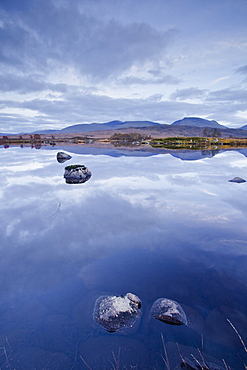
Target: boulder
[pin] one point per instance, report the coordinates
(168, 311)
(237, 180)
(76, 174)
(63, 157)
(116, 313)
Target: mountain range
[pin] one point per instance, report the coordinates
(183, 125)
(99, 127)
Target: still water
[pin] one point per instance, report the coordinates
(153, 224)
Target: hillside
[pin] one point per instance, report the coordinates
(197, 122)
(99, 126)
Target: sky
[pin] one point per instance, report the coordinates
(66, 62)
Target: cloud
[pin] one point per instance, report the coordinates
(27, 84)
(242, 70)
(228, 95)
(189, 93)
(81, 108)
(166, 80)
(76, 106)
(66, 62)
(47, 36)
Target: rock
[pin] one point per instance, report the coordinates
(116, 313)
(168, 311)
(63, 157)
(76, 174)
(237, 179)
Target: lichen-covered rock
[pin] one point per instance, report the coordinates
(168, 311)
(116, 313)
(63, 157)
(237, 179)
(76, 174)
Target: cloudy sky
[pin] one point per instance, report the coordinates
(67, 62)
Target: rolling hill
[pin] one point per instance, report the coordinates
(198, 122)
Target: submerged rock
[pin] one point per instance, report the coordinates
(76, 174)
(116, 313)
(237, 179)
(168, 311)
(63, 157)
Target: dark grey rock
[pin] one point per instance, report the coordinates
(116, 313)
(168, 311)
(237, 179)
(76, 174)
(63, 157)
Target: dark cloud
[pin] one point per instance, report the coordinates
(242, 70)
(48, 36)
(228, 95)
(27, 84)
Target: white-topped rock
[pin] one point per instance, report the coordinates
(116, 313)
(168, 311)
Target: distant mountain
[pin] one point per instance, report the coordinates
(112, 125)
(44, 132)
(105, 126)
(188, 126)
(197, 122)
(194, 155)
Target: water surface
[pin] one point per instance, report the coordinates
(154, 225)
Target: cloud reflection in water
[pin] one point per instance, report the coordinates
(157, 226)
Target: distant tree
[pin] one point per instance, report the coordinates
(211, 132)
(216, 133)
(128, 137)
(207, 132)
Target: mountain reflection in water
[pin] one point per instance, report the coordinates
(156, 226)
